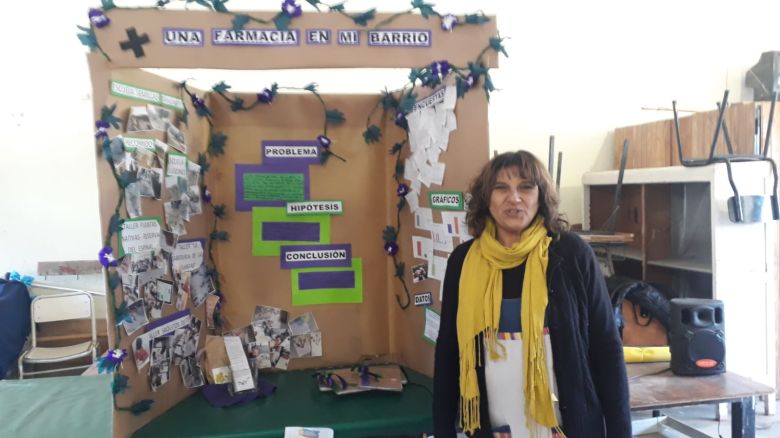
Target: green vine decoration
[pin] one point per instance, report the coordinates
(332, 116)
(399, 103)
(290, 9)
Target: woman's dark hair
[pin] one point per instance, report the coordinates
(531, 169)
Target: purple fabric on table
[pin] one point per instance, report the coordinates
(326, 280)
(219, 396)
(292, 231)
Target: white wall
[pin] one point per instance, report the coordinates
(576, 69)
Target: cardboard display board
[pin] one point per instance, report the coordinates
(364, 183)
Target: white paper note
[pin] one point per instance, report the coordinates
(438, 268)
(423, 218)
(413, 200)
(432, 320)
(422, 248)
(455, 221)
(437, 173)
(177, 165)
(442, 240)
(187, 256)
(141, 236)
(239, 366)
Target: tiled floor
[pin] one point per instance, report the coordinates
(702, 418)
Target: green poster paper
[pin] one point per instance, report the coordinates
(328, 296)
(446, 200)
(274, 187)
(261, 215)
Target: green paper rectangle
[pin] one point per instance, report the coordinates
(121, 250)
(287, 187)
(459, 206)
(328, 296)
(261, 215)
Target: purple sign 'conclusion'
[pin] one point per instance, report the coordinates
(315, 256)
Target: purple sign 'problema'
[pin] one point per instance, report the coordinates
(315, 256)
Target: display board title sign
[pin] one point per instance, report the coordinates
(254, 37)
(399, 38)
(290, 152)
(446, 200)
(315, 207)
(140, 235)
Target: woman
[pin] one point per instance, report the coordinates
(523, 273)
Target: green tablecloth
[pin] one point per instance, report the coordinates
(62, 407)
(298, 402)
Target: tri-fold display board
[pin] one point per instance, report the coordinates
(303, 236)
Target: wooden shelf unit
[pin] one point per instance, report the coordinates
(685, 243)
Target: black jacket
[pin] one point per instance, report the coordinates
(586, 348)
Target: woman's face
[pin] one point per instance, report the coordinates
(514, 202)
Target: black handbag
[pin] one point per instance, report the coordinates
(648, 302)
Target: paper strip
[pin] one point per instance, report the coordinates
(315, 256)
(291, 152)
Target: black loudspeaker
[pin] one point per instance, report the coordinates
(697, 337)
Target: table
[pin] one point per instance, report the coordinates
(63, 407)
(298, 402)
(653, 386)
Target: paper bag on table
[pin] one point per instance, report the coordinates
(215, 362)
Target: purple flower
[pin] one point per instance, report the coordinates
(391, 248)
(266, 96)
(440, 69)
(402, 190)
(98, 18)
(116, 356)
(106, 258)
(197, 102)
(469, 82)
(102, 129)
(448, 22)
(206, 195)
(400, 120)
(323, 141)
(291, 8)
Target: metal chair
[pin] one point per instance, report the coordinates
(60, 307)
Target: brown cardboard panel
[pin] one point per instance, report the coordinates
(173, 391)
(459, 46)
(468, 151)
(348, 330)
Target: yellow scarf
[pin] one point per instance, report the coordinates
(479, 310)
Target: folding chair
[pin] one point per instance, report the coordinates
(60, 307)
